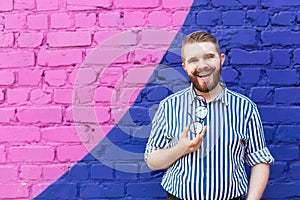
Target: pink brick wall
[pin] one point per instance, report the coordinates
(49, 52)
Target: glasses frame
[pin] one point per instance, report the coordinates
(203, 106)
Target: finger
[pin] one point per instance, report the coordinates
(185, 131)
(203, 131)
(200, 136)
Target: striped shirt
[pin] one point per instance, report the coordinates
(216, 170)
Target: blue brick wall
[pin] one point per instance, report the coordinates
(261, 40)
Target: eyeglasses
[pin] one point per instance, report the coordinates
(201, 113)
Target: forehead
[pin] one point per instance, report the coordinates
(198, 49)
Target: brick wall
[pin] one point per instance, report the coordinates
(81, 80)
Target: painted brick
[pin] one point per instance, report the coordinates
(282, 77)
(297, 56)
(79, 172)
(127, 96)
(64, 134)
(278, 170)
(16, 59)
(111, 76)
(286, 38)
(110, 19)
(29, 77)
(36, 22)
(136, 4)
(102, 172)
(284, 18)
(178, 18)
(275, 190)
(55, 77)
(60, 20)
(116, 38)
(279, 3)
(208, 17)
(63, 96)
(177, 4)
(19, 134)
(7, 78)
(8, 173)
(121, 175)
(287, 134)
(294, 170)
(24, 5)
(71, 153)
(290, 95)
(59, 57)
(14, 21)
(103, 94)
(11, 190)
(138, 75)
(285, 152)
(83, 114)
(245, 57)
(28, 154)
(46, 5)
(40, 114)
(2, 95)
(134, 19)
(6, 39)
(258, 17)
(282, 115)
(17, 95)
(105, 190)
(31, 172)
(225, 3)
(229, 74)
(30, 39)
(40, 97)
(85, 95)
(88, 4)
(261, 94)
(250, 76)
(2, 154)
(6, 114)
(54, 170)
(63, 190)
(145, 189)
(157, 93)
(269, 133)
(83, 76)
(159, 19)
(248, 3)
(281, 57)
(234, 18)
(238, 37)
(6, 5)
(85, 20)
(69, 39)
(157, 37)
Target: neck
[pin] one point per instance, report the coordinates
(209, 96)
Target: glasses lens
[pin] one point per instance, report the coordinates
(196, 127)
(201, 112)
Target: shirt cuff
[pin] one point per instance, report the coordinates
(260, 156)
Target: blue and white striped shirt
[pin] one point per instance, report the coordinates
(216, 170)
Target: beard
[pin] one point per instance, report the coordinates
(208, 86)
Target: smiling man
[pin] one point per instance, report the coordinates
(203, 134)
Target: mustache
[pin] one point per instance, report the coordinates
(206, 71)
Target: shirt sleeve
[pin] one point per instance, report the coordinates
(157, 139)
(257, 151)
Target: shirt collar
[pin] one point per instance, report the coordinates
(221, 97)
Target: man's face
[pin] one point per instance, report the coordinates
(203, 64)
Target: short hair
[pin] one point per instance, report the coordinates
(200, 36)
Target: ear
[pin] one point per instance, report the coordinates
(183, 66)
(222, 57)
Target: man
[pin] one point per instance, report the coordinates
(204, 133)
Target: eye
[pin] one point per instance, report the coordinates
(192, 61)
(209, 56)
